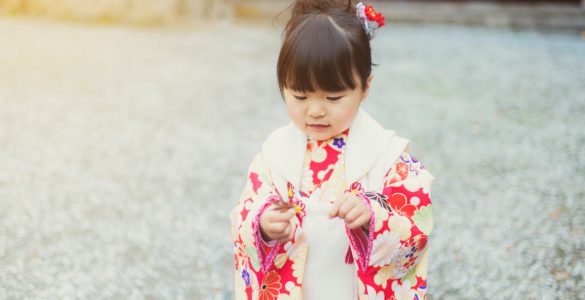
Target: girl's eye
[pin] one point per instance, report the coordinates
(334, 98)
(300, 98)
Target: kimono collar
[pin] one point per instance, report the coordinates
(284, 150)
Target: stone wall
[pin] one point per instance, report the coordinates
(120, 10)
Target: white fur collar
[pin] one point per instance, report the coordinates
(284, 150)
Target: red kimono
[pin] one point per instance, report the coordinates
(390, 259)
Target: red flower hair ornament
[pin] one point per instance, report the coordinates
(371, 19)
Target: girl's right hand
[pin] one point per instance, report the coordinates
(275, 223)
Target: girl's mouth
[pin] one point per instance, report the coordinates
(318, 127)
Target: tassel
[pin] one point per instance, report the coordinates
(349, 256)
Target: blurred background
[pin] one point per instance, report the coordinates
(127, 127)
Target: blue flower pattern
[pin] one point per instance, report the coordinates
(246, 276)
(338, 142)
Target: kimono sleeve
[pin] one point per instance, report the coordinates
(400, 224)
(251, 252)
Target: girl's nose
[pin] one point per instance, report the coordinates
(316, 111)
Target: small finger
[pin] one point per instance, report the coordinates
(334, 211)
(339, 194)
(277, 228)
(352, 215)
(283, 216)
(363, 220)
(278, 206)
(287, 231)
(282, 227)
(284, 236)
(345, 208)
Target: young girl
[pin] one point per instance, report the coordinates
(335, 207)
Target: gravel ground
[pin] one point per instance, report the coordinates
(122, 151)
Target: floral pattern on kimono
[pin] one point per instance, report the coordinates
(391, 256)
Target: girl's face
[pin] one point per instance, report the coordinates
(321, 114)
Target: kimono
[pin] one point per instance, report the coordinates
(390, 258)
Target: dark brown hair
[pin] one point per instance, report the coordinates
(324, 46)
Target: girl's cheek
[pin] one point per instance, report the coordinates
(296, 114)
(348, 115)
(346, 111)
(295, 110)
(290, 108)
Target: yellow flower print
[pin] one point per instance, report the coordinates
(299, 242)
(298, 209)
(403, 291)
(375, 296)
(307, 179)
(401, 225)
(299, 264)
(384, 248)
(294, 292)
(280, 260)
(383, 275)
(380, 216)
(423, 180)
(319, 155)
(246, 233)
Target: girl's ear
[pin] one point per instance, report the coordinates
(368, 84)
(370, 78)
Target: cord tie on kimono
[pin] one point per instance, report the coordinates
(349, 256)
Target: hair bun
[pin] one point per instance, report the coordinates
(301, 7)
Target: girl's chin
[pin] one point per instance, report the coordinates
(319, 136)
(319, 133)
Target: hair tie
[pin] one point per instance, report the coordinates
(370, 18)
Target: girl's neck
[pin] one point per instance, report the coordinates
(342, 134)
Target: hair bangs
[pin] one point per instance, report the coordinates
(317, 57)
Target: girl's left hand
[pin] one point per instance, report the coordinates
(352, 209)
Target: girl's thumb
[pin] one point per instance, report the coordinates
(339, 197)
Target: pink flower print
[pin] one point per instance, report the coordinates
(299, 207)
(355, 188)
